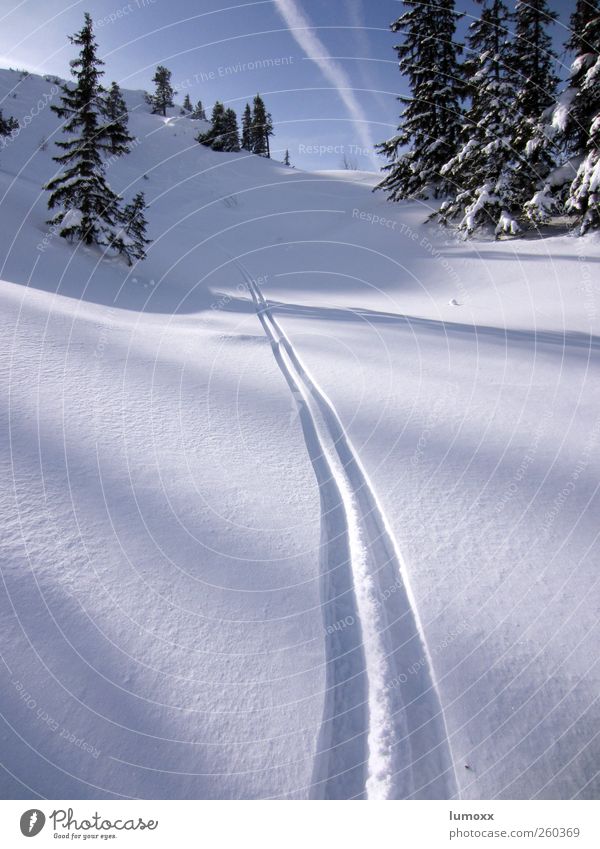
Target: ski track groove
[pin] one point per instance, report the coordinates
(383, 734)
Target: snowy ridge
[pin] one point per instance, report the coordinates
(401, 739)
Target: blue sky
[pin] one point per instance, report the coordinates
(328, 71)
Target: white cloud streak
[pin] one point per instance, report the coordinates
(300, 28)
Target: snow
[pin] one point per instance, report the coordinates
(485, 196)
(541, 206)
(564, 173)
(72, 218)
(562, 110)
(279, 521)
(507, 224)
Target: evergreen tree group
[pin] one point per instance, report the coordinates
(95, 123)
(223, 134)
(257, 128)
(198, 112)
(489, 134)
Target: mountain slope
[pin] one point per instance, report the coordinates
(304, 504)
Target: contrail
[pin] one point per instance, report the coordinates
(300, 28)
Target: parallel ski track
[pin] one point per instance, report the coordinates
(383, 734)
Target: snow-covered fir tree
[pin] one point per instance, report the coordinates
(431, 120)
(247, 128)
(164, 91)
(580, 100)
(286, 158)
(187, 104)
(199, 112)
(481, 171)
(566, 126)
(261, 128)
(88, 208)
(116, 116)
(534, 61)
(536, 81)
(130, 239)
(584, 192)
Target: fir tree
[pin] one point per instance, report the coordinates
(130, 240)
(431, 120)
(214, 137)
(286, 158)
(584, 192)
(261, 128)
(482, 169)
(7, 126)
(247, 128)
(187, 104)
(533, 62)
(231, 133)
(115, 112)
(580, 101)
(584, 195)
(567, 126)
(164, 91)
(89, 208)
(199, 114)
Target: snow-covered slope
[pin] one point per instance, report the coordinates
(303, 505)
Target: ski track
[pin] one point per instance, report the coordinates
(383, 734)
